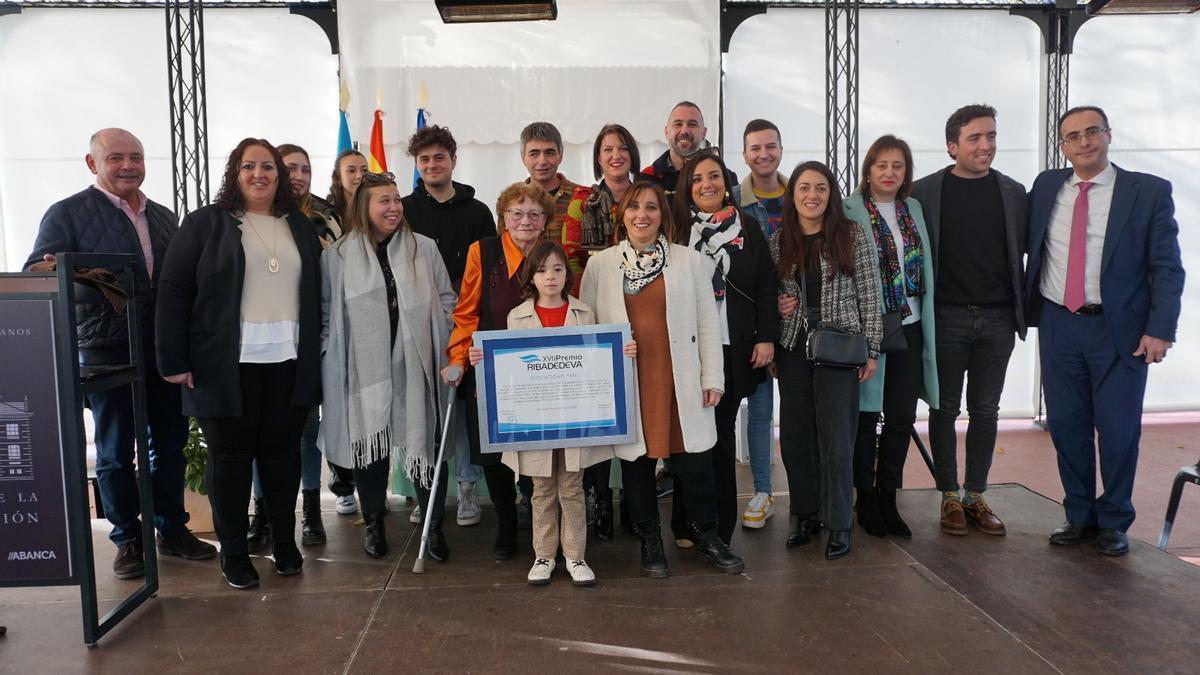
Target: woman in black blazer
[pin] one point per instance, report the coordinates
(238, 327)
(745, 288)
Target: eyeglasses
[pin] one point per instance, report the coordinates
(1090, 133)
(519, 215)
(378, 178)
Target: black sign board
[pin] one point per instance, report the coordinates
(34, 537)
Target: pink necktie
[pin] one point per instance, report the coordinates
(1077, 253)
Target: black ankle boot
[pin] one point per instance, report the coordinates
(891, 515)
(713, 549)
(288, 560)
(806, 528)
(654, 558)
(238, 571)
(866, 505)
(375, 543)
(604, 517)
(837, 545)
(312, 530)
(258, 535)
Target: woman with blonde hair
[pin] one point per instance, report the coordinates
(386, 302)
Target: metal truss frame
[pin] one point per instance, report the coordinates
(841, 91)
(186, 85)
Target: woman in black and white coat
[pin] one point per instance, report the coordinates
(744, 287)
(827, 272)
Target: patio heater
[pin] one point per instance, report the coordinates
(477, 11)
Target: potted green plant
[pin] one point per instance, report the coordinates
(195, 453)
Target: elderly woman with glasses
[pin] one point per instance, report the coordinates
(491, 288)
(382, 280)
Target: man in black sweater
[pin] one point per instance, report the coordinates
(448, 213)
(441, 209)
(113, 216)
(977, 219)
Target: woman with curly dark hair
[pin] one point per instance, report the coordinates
(238, 327)
(348, 171)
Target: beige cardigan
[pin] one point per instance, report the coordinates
(693, 329)
(541, 462)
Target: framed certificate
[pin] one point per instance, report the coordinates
(549, 388)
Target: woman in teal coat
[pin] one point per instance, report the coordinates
(907, 362)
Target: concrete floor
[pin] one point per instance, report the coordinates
(932, 604)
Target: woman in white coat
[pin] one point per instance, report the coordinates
(385, 308)
(664, 291)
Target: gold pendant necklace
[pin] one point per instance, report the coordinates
(272, 262)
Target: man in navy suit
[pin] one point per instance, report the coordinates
(1103, 283)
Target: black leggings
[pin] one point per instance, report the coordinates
(723, 455)
(693, 468)
(879, 460)
(268, 432)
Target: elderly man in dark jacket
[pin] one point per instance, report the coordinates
(113, 216)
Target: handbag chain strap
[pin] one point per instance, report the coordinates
(803, 298)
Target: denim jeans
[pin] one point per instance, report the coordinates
(761, 409)
(975, 343)
(463, 468)
(112, 412)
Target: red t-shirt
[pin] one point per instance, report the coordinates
(551, 317)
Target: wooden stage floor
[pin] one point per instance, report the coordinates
(935, 604)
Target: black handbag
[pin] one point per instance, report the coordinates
(831, 346)
(893, 334)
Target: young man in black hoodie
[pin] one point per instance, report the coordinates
(448, 213)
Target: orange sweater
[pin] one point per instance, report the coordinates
(466, 312)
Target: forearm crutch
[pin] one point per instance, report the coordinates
(452, 373)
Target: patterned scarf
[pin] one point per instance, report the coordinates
(715, 235)
(899, 279)
(642, 267)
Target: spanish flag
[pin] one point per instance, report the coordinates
(376, 161)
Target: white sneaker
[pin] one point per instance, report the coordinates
(581, 574)
(415, 516)
(539, 574)
(761, 507)
(468, 504)
(346, 504)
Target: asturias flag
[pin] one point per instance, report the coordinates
(420, 125)
(376, 162)
(343, 133)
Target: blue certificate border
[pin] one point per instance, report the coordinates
(617, 430)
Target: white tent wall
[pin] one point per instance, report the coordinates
(918, 66)
(601, 61)
(1145, 72)
(64, 73)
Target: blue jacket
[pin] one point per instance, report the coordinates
(87, 222)
(1141, 272)
(870, 393)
